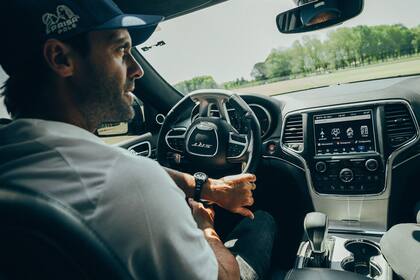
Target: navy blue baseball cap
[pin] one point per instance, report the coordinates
(27, 24)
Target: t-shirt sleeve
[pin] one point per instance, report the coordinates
(144, 217)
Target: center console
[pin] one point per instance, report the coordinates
(345, 158)
(346, 252)
(345, 149)
(347, 153)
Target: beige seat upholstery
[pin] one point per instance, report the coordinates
(400, 246)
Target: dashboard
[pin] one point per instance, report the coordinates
(347, 147)
(352, 144)
(344, 137)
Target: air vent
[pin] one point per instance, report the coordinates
(142, 149)
(293, 133)
(399, 125)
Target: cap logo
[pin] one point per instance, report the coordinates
(62, 21)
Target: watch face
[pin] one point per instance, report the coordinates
(200, 176)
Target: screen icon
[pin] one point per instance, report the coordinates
(364, 131)
(322, 133)
(361, 148)
(335, 132)
(350, 132)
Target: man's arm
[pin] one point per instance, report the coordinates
(186, 182)
(228, 266)
(233, 193)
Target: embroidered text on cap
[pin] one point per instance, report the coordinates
(62, 21)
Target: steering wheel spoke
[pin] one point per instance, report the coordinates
(175, 139)
(223, 112)
(204, 108)
(237, 147)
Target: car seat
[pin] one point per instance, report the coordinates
(41, 238)
(400, 246)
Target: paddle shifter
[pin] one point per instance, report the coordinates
(316, 226)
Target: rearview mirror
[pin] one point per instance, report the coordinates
(318, 14)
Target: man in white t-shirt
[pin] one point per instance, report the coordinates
(77, 59)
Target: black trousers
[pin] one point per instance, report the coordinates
(251, 242)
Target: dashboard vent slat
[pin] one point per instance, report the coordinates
(399, 125)
(293, 133)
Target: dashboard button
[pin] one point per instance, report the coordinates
(321, 167)
(371, 165)
(346, 175)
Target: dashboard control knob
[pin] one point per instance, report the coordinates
(321, 167)
(371, 165)
(346, 175)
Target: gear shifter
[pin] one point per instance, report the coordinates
(316, 225)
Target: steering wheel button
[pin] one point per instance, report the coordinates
(238, 138)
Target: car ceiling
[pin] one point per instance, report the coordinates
(167, 8)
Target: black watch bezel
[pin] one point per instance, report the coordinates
(200, 178)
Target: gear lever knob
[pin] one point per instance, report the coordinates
(316, 225)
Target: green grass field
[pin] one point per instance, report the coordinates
(405, 66)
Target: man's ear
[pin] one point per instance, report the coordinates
(59, 58)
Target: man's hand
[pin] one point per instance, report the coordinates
(233, 193)
(204, 217)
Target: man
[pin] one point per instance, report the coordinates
(76, 57)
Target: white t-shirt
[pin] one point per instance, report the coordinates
(130, 201)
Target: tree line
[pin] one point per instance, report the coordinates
(343, 48)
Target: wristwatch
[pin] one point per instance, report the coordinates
(200, 179)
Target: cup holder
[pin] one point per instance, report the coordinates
(361, 263)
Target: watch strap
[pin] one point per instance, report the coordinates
(200, 179)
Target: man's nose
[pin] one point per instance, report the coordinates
(134, 70)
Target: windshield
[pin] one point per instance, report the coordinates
(236, 45)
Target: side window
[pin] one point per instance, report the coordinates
(3, 111)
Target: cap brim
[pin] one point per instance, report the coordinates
(140, 27)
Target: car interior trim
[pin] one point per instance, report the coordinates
(283, 160)
(405, 161)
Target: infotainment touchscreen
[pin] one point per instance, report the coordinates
(346, 132)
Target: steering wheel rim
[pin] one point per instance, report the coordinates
(212, 128)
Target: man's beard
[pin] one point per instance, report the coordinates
(101, 99)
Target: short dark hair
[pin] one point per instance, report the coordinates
(22, 91)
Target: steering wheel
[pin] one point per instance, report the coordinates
(208, 143)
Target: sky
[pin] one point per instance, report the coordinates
(226, 40)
